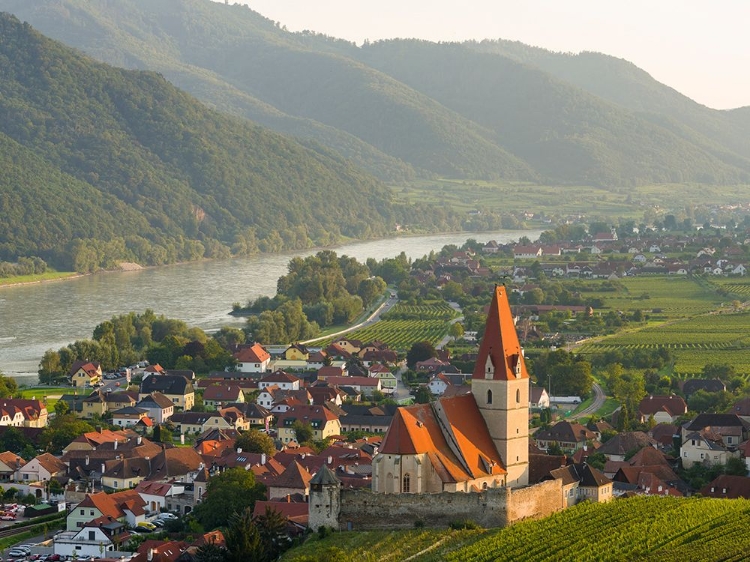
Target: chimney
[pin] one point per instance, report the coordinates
(103, 468)
(150, 554)
(182, 438)
(330, 459)
(288, 498)
(239, 450)
(139, 440)
(116, 442)
(87, 460)
(262, 459)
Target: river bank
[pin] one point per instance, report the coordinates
(43, 316)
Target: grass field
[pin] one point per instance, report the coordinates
(640, 528)
(671, 297)
(47, 394)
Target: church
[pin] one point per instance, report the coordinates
(471, 442)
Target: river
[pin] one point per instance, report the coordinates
(38, 317)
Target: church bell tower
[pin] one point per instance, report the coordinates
(500, 385)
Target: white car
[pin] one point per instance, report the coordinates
(168, 516)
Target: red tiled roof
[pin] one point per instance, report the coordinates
(253, 354)
(500, 342)
(673, 405)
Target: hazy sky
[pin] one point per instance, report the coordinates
(700, 48)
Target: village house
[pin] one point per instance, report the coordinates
(85, 373)
(34, 413)
(158, 407)
(538, 398)
(252, 359)
(664, 409)
(128, 417)
(217, 396)
(176, 388)
(198, 422)
(323, 422)
(284, 381)
(582, 482)
(10, 464)
(569, 436)
(296, 352)
(706, 449)
(41, 468)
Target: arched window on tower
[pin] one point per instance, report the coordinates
(518, 396)
(406, 488)
(489, 397)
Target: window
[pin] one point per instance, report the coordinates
(83, 513)
(92, 535)
(489, 397)
(115, 484)
(406, 488)
(91, 512)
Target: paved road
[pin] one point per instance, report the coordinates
(389, 303)
(599, 399)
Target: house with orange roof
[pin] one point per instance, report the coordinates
(471, 441)
(10, 464)
(93, 439)
(252, 359)
(41, 468)
(126, 506)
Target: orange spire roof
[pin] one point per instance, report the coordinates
(500, 343)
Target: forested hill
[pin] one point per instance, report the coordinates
(403, 108)
(100, 164)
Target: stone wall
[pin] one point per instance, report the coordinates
(539, 500)
(363, 510)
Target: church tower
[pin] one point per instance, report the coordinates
(500, 385)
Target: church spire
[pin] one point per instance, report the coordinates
(500, 356)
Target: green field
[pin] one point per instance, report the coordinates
(669, 297)
(641, 528)
(49, 276)
(405, 325)
(510, 197)
(47, 394)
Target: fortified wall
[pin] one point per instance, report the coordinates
(358, 510)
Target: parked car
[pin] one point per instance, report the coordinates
(8, 517)
(145, 525)
(166, 516)
(16, 553)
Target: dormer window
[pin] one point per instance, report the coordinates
(488, 368)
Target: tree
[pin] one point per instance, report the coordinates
(61, 408)
(420, 351)
(735, 466)
(272, 528)
(210, 552)
(456, 330)
(253, 441)
(8, 386)
(243, 540)
(303, 431)
(229, 492)
(422, 395)
(61, 431)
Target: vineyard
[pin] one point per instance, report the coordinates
(671, 297)
(407, 324)
(711, 338)
(641, 528)
(735, 288)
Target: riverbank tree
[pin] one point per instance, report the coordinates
(129, 338)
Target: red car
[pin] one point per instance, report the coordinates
(8, 517)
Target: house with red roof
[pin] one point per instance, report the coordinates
(219, 395)
(85, 373)
(252, 359)
(323, 422)
(664, 409)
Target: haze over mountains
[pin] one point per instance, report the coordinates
(404, 108)
(101, 164)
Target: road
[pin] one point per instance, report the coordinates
(389, 303)
(595, 406)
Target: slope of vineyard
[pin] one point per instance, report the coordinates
(642, 528)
